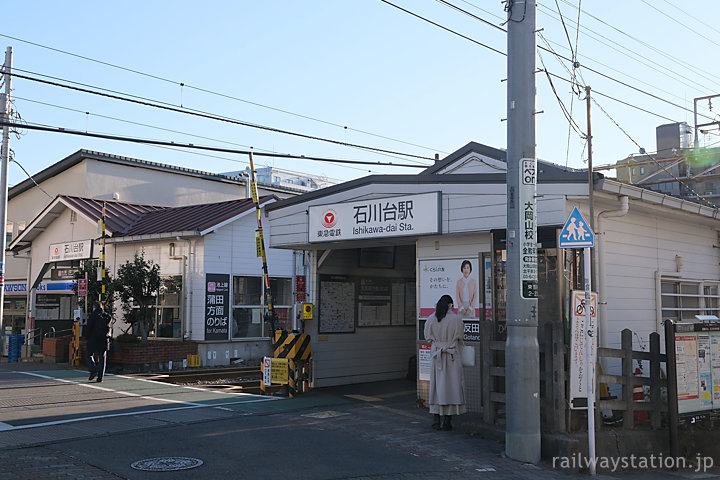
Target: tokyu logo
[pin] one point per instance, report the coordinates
(329, 218)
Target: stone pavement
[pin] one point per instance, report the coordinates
(359, 432)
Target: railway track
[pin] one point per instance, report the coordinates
(238, 379)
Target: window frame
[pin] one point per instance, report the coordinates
(261, 307)
(679, 303)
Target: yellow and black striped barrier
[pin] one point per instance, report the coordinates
(291, 345)
(295, 347)
(75, 345)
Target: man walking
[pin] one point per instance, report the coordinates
(97, 333)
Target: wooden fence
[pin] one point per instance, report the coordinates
(556, 416)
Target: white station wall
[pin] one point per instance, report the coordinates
(639, 245)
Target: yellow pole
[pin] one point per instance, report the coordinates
(261, 245)
(75, 345)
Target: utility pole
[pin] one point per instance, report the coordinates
(5, 159)
(522, 352)
(591, 183)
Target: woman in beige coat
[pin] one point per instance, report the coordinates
(444, 330)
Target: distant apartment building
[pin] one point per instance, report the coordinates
(287, 178)
(676, 168)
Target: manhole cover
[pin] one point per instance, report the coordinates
(166, 464)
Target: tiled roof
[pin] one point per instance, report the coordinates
(189, 218)
(119, 216)
(123, 219)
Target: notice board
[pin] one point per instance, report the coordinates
(375, 297)
(697, 360)
(337, 305)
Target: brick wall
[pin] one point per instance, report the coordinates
(156, 351)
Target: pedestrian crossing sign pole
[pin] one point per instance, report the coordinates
(577, 234)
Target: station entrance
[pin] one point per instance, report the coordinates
(366, 316)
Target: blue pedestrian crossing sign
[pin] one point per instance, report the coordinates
(576, 233)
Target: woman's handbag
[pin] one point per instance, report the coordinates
(468, 356)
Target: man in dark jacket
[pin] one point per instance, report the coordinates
(97, 333)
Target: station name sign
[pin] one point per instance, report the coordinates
(76, 250)
(375, 218)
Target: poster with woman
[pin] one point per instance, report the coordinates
(457, 277)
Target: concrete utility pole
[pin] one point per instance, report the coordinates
(5, 159)
(522, 353)
(591, 182)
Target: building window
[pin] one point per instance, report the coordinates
(682, 299)
(642, 170)
(8, 233)
(632, 172)
(165, 313)
(249, 305)
(167, 308)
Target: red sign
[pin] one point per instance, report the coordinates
(329, 218)
(300, 288)
(82, 287)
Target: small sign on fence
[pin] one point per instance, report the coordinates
(578, 370)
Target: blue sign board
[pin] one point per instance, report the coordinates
(576, 233)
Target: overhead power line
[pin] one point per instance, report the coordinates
(212, 92)
(145, 141)
(620, 82)
(204, 154)
(663, 69)
(693, 30)
(445, 28)
(165, 106)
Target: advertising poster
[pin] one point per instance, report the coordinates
(217, 306)
(488, 287)
(424, 362)
(715, 366)
(704, 371)
(686, 351)
(528, 228)
(457, 277)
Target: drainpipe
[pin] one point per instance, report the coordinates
(187, 324)
(600, 266)
(189, 260)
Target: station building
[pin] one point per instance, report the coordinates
(61, 205)
(211, 285)
(374, 255)
(384, 248)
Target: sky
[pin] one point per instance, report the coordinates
(361, 72)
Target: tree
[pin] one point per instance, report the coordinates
(94, 288)
(137, 283)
